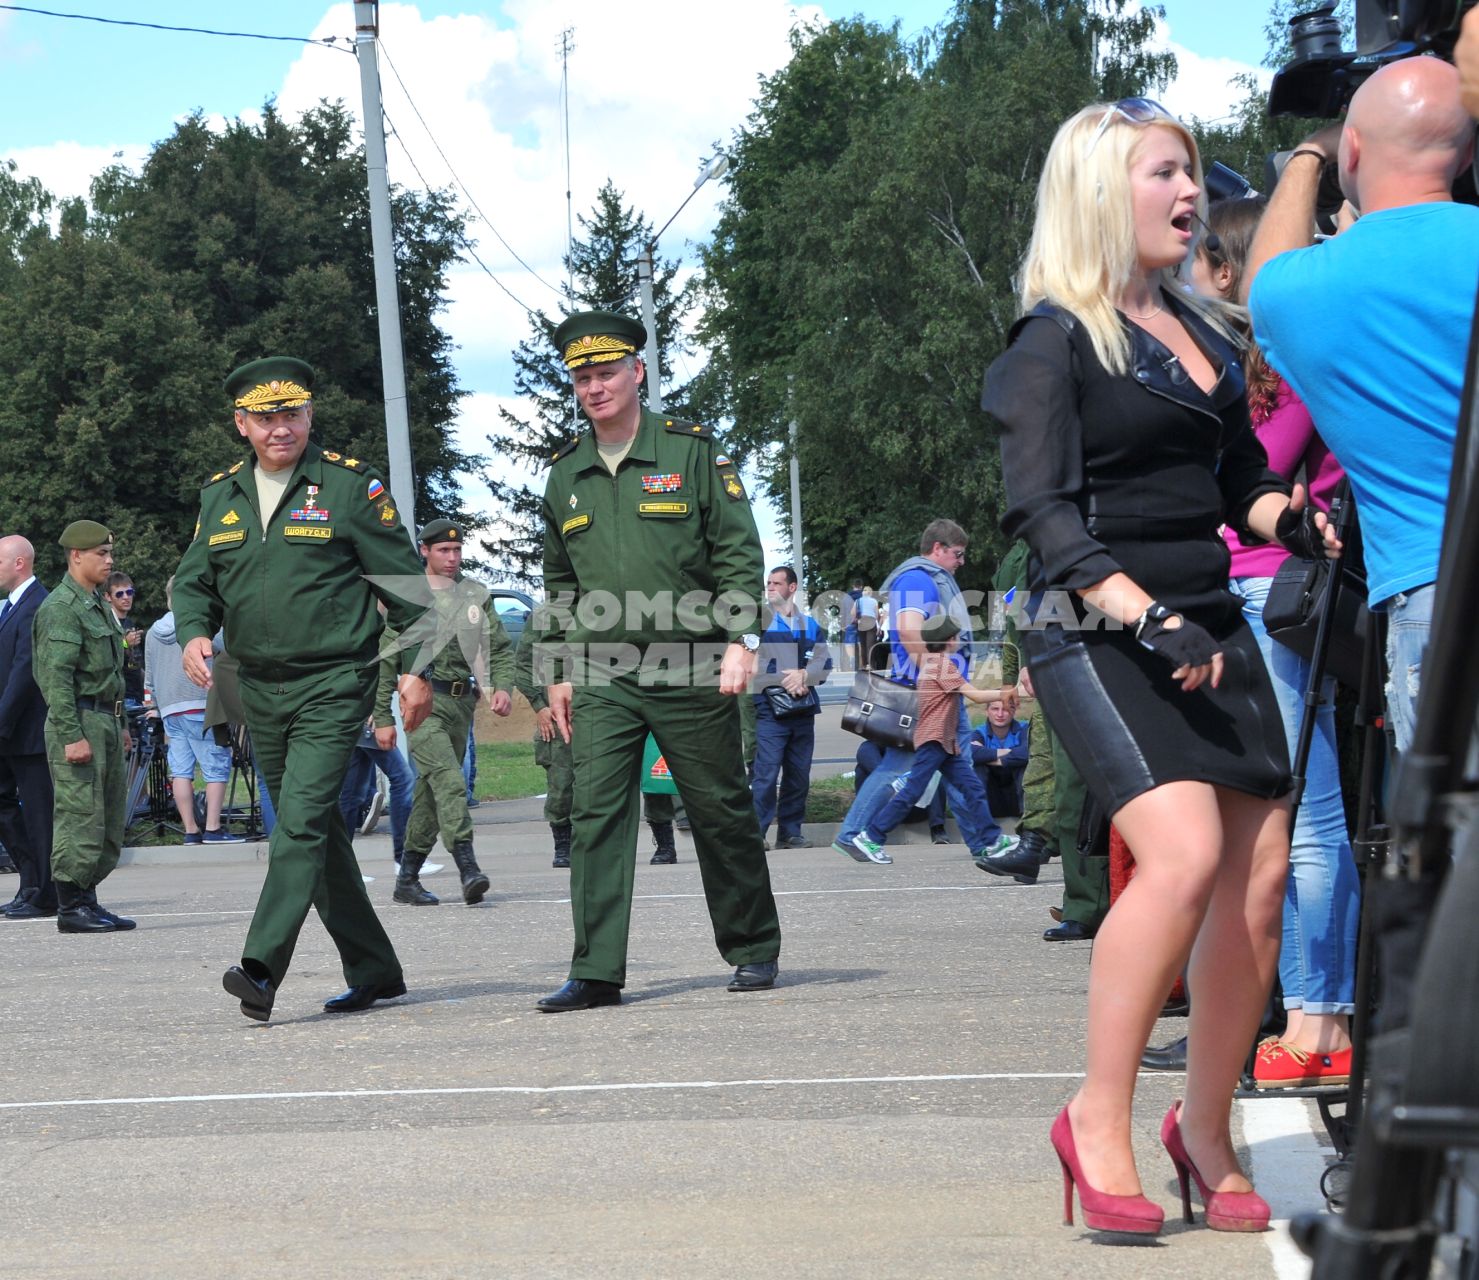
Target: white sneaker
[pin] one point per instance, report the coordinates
(871, 850)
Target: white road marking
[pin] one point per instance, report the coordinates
(635, 1086)
(1287, 1160)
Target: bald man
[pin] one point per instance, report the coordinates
(25, 781)
(1372, 328)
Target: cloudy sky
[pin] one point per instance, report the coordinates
(655, 88)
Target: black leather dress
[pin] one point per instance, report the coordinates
(1135, 473)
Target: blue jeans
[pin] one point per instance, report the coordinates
(470, 764)
(783, 750)
(264, 800)
(1322, 901)
(1409, 619)
(954, 772)
(359, 784)
(896, 763)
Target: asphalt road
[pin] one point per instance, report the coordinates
(883, 1112)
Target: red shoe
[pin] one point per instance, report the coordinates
(1133, 1215)
(1283, 1066)
(1224, 1210)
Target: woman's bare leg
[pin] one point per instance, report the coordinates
(1232, 972)
(1175, 833)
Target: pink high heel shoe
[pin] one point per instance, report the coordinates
(1224, 1210)
(1102, 1212)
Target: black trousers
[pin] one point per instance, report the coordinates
(25, 821)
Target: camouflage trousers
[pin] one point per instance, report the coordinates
(440, 801)
(88, 823)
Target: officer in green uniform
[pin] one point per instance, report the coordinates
(552, 754)
(651, 562)
(78, 665)
(459, 637)
(293, 546)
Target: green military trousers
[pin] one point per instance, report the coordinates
(698, 731)
(1085, 879)
(439, 803)
(559, 785)
(87, 836)
(1038, 809)
(303, 731)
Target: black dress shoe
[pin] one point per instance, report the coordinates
(581, 993)
(357, 998)
(256, 994)
(120, 923)
(1170, 1057)
(28, 904)
(1068, 931)
(754, 977)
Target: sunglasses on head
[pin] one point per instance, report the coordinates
(124, 591)
(1135, 110)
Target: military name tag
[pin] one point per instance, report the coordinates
(662, 508)
(236, 535)
(320, 533)
(576, 522)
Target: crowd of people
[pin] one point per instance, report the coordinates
(1165, 450)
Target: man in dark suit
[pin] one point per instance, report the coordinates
(25, 781)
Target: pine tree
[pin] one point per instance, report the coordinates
(603, 273)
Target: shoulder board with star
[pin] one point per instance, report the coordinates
(222, 475)
(563, 450)
(680, 428)
(339, 460)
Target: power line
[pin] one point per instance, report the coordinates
(460, 184)
(461, 239)
(328, 41)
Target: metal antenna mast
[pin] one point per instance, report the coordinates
(567, 47)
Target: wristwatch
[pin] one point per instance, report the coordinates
(751, 641)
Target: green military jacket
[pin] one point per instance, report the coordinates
(673, 521)
(460, 626)
(77, 652)
(293, 585)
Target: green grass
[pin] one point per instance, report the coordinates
(506, 771)
(828, 799)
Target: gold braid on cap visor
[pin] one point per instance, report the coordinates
(597, 348)
(272, 397)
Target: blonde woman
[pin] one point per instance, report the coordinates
(1125, 445)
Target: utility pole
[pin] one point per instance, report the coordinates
(382, 242)
(716, 168)
(796, 555)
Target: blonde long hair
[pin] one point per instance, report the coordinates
(1082, 252)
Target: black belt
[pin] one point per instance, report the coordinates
(455, 687)
(101, 704)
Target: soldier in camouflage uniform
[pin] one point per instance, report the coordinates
(78, 666)
(458, 634)
(552, 754)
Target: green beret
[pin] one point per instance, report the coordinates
(939, 628)
(596, 337)
(271, 385)
(84, 535)
(440, 531)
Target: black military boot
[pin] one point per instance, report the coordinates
(561, 833)
(90, 896)
(474, 882)
(662, 838)
(408, 887)
(1021, 863)
(74, 915)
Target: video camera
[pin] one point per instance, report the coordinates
(1321, 76)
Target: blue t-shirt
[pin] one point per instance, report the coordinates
(1372, 330)
(789, 645)
(914, 590)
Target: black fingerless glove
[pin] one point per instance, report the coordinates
(1187, 645)
(1297, 533)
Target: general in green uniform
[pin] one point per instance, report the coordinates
(293, 547)
(651, 562)
(78, 663)
(457, 640)
(552, 754)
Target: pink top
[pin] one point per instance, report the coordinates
(1288, 436)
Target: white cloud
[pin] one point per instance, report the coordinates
(68, 168)
(1203, 86)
